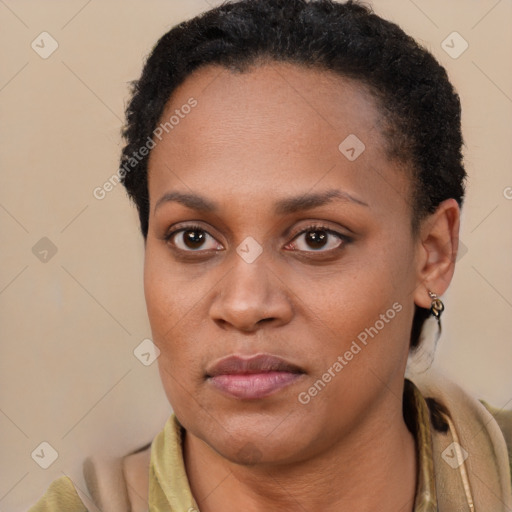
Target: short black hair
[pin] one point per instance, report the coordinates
(419, 106)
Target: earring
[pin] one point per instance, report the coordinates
(436, 306)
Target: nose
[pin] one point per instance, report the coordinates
(249, 296)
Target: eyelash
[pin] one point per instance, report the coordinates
(344, 239)
(312, 227)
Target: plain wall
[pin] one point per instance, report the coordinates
(68, 375)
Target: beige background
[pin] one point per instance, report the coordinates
(69, 325)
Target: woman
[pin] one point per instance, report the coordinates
(298, 175)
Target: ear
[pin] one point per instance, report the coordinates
(436, 251)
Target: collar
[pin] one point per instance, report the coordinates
(417, 415)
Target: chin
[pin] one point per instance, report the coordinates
(249, 451)
(255, 439)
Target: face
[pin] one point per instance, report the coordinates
(279, 265)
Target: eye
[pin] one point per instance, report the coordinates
(192, 238)
(314, 238)
(317, 238)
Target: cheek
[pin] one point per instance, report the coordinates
(175, 308)
(361, 311)
(167, 297)
(168, 320)
(166, 307)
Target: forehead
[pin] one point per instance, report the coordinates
(267, 99)
(275, 125)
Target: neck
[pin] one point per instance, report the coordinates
(372, 468)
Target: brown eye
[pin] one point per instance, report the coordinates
(192, 239)
(318, 239)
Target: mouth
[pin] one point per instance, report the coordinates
(254, 377)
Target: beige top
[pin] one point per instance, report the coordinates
(463, 462)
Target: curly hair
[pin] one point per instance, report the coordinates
(420, 109)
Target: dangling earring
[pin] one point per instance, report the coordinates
(425, 348)
(436, 306)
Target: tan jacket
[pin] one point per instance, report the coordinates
(465, 468)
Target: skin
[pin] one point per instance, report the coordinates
(253, 139)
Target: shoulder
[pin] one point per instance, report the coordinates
(115, 484)
(118, 484)
(503, 418)
(61, 496)
(486, 432)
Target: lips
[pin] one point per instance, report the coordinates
(252, 377)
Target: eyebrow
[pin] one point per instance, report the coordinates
(284, 206)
